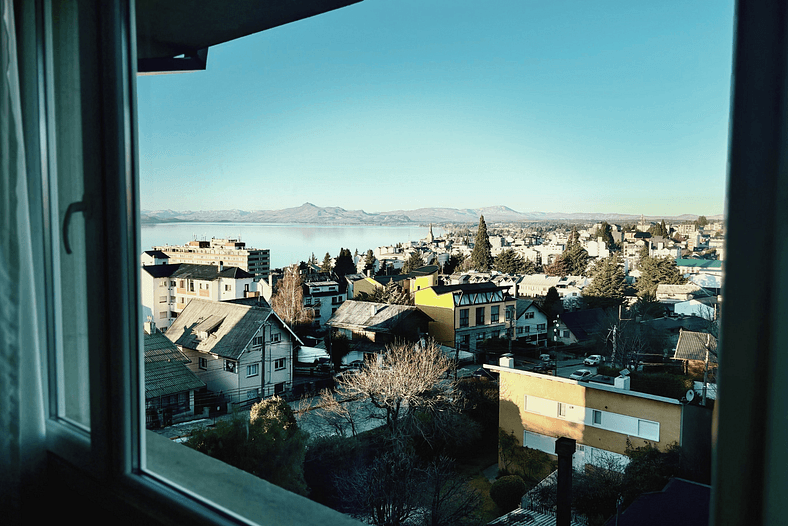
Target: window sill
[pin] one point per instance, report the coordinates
(232, 490)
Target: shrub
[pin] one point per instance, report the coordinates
(507, 491)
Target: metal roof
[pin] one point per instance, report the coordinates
(693, 346)
(239, 324)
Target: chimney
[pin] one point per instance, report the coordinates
(221, 266)
(564, 448)
(506, 360)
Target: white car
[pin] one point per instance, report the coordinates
(594, 359)
(581, 374)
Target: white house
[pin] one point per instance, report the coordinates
(530, 322)
(242, 351)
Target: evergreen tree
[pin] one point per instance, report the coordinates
(605, 231)
(558, 267)
(369, 261)
(269, 444)
(455, 260)
(327, 264)
(344, 264)
(654, 271)
(481, 257)
(576, 259)
(552, 305)
(509, 262)
(414, 261)
(313, 259)
(607, 286)
(701, 221)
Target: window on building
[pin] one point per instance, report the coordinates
(565, 334)
(479, 315)
(509, 313)
(252, 369)
(162, 299)
(191, 286)
(163, 315)
(541, 326)
(279, 364)
(276, 337)
(561, 409)
(597, 417)
(494, 310)
(229, 366)
(203, 362)
(252, 394)
(257, 341)
(464, 318)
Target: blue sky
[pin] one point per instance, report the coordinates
(563, 106)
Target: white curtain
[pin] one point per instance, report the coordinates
(22, 430)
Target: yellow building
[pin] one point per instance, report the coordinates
(466, 314)
(538, 408)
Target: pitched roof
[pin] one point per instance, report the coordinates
(221, 327)
(680, 503)
(376, 317)
(165, 369)
(199, 272)
(583, 323)
(693, 346)
(524, 305)
(424, 271)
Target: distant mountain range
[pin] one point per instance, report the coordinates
(311, 214)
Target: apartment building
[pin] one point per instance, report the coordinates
(229, 252)
(167, 289)
(603, 419)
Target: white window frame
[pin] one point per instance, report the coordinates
(280, 364)
(252, 369)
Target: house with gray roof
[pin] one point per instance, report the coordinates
(698, 352)
(169, 384)
(243, 352)
(530, 322)
(380, 322)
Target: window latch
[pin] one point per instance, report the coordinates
(77, 206)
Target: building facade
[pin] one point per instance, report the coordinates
(167, 289)
(227, 252)
(466, 315)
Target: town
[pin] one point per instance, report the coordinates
(490, 345)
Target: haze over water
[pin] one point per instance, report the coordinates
(288, 243)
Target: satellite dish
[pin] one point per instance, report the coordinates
(624, 372)
(690, 396)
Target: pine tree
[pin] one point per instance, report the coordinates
(344, 264)
(481, 257)
(509, 262)
(608, 285)
(654, 271)
(369, 261)
(414, 261)
(327, 264)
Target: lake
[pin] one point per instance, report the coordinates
(288, 243)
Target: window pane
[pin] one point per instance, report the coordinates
(67, 188)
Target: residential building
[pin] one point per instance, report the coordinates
(578, 327)
(465, 315)
(604, 419)
(323, 298)
(169, 384)
(167, 289)
(242, 352)
(530, 322)
(699, 266)
(698, 353)
(379, 322)
(227, 252)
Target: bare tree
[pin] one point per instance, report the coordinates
(288, 301)
(336, 414)
(449, 499)
(408, 379)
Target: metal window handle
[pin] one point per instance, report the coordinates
(77, 206)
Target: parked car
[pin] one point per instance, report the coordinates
(581, 374)
(594, 359)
